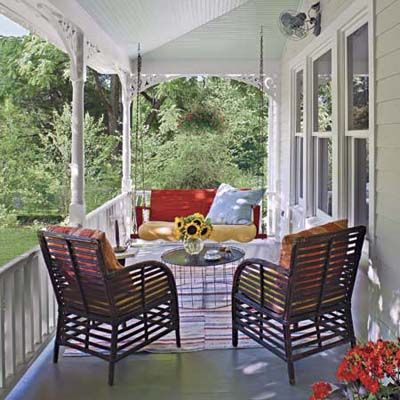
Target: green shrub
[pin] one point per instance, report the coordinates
(7, 219)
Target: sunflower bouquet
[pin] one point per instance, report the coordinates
(192, 227)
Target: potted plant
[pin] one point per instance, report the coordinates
(369, 371)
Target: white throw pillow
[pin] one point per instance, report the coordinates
(232, 206)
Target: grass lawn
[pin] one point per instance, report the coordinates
(15, 241)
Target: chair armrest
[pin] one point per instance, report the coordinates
(142, 267)
(262, 281)
(142, 284)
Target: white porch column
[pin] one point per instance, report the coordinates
(75, 45)
(126, 89)
(77, 211)
(274, 184)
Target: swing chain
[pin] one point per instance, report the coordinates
(139, 151)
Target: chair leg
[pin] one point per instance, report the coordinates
(235, 332)
(178, 337)
(288, 351)
(235, 336)
(351, 329)
(175, 313)
(87, 333)
(113, 354)
(318, 332)
(57, 339)
(56, 351)
(290, 366)
(111, 367)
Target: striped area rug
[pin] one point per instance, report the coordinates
(202, 329)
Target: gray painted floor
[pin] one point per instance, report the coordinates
(248, 374)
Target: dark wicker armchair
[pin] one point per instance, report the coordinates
(108, 315)
(303, 310)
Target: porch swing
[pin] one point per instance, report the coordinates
(156, 221)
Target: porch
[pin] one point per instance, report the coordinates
(316, 173)
(29, 320)
(204, 375)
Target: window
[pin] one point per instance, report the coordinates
(299, 168)
(299, 102)
(361, 182)
(323, 161)
(331, 125)
(357, 123)
(322, 87)
(322, 132)
(358, 79)
(299, 137)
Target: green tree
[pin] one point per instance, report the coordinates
(35, 75)
(24, 182)
(102, 160)
(189, 161)
(198, 106)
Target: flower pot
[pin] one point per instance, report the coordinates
(193, 246)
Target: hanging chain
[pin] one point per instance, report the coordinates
(262, 124)
(139, 153)
(142, 130)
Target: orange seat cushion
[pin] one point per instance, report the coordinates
(289, 240)
(111, 262)
(155, 230)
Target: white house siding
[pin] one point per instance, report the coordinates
(385, 291)
(377, 295)
(330, 10)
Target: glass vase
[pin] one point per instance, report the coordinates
(193, 246)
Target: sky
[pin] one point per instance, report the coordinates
(10, 28)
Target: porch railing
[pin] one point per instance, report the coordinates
(27, 304)
(27, 315)
(117, 209)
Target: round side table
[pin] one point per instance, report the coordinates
(203, 283)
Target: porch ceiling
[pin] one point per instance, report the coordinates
(177, 36)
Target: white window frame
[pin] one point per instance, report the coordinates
(297, 202)
(334, 37)
(332, 134)
(352, 134)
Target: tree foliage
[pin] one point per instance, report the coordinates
(196, 132)
(223, 113)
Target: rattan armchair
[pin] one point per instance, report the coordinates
(303, 310)
(107, 314)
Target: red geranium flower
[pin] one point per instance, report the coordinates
(320, 390)
(372, 365)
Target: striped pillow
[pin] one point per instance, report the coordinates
(288, 240)
(111, 262)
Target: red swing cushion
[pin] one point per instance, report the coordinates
(170, 203)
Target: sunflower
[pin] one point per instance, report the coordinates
(179, 223)
(177, 234)
(192, 230)
(198, 215)
(205, 231)
(197, 219)
(193, 226)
